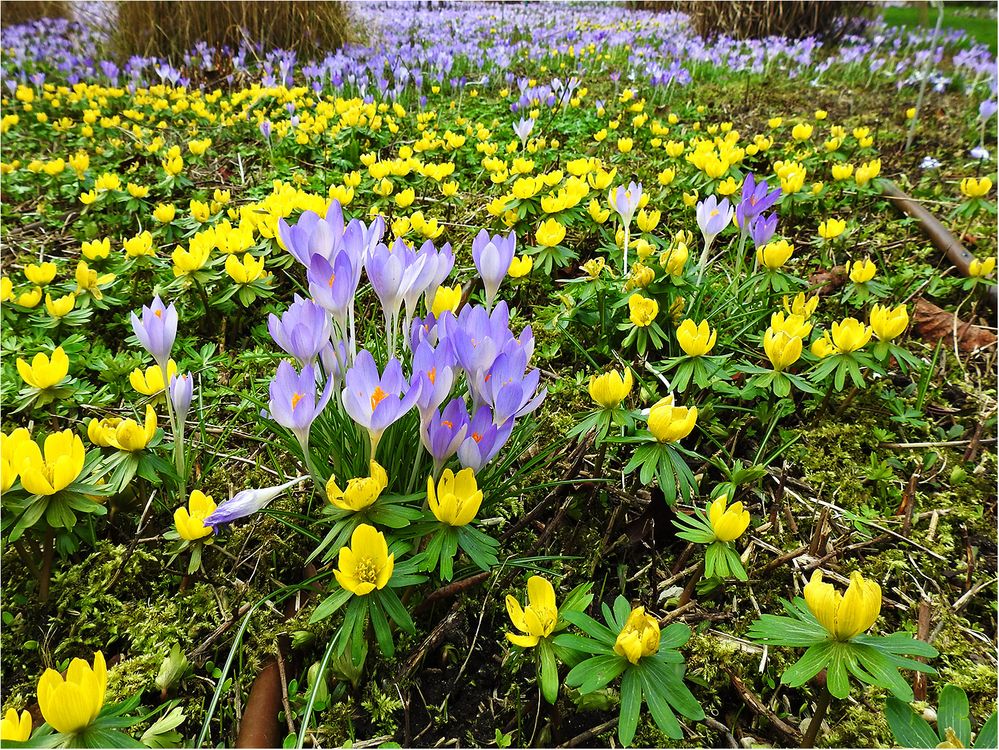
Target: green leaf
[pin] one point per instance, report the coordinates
(881, 669)
(330, 605)
(810, 664)
(909, 728)
(631, 706)
(952, 712)
(675, 690)
(988, 737)
(674, 635)
(395, 609)
(586, 645)
(663, 716)
(383, 633)
(548, 669)
(776, 630)
(594, 674)
(591, 627)
(837, 676)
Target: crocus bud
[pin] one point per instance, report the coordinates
(181, 393)
(247, 503)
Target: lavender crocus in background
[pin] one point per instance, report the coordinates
(247, 502)
(625, 201)
(712, 217)
(302, 331)
(492, 256)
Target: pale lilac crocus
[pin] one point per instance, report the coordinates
(483, 439)
(247, 502)
(444, 432)
(302, 331)
(523, 130)
(624, 201)
(509, 388)
(712, 217)
(293, 403)
(492, 256)
(434, 369)
(376, 402)
(181, 394)
(393, 271)
(156, 330)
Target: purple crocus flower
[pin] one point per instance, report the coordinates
(265, 129)
(756, 198)
(433, 368)
(157, 330)
(293, 401)
(484, 439)
(374, 402)
(492, 257)
(313, 234)
(302, 331)
(762, 228)
(508, 388)
(523, 130)
(712, 217)
(625, 200)
(445, 431)
(333, 285)
(246, 503)
(181, 394)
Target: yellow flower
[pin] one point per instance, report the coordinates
(597, 213)
(842, 172)
(844, 615)
(173, 165)
(360, 492)
(610, 389)
(366, 564)
(639, 637)
(696, 339)
(792, 325)
(43, 372)
(405, 198)
(802, 131)
(200, 210)
(728, 523)
(973, 188)
(648, 221)
(244, 271)
(642, 311)
(831, 228)
(199, 147)
(775, 122)
(61, 306)
(821, 114)
(141, 244)
(71, 705)
(6, 289)
(96, 249)
(887, 323)
(447, 298)
(867, 171)
(850, 334)
(862, 271)
(137, 191)
(164, 213)
(773, 255)
(594, 267)
(89, 282)
(15, 728)
(977, 268)
(521, 266)
(457, 497)
(666, 177)
(190, 521)
(40, 274)
(674, 260)
(29, 299)
(186, 262)
(9, 456)
(538, 619)
(823, 346)
(727, 186)
(61, 465)
(801, 305)
(550, 233)
(782, 349)
(88, 197)
(150, 382)
(129, 435)
(669, 423)
(689, 199)
(641, 276)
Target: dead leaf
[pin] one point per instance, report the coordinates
(935, 324)
(825, 281)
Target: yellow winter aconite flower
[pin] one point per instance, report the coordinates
(831, 228)
(456, 499)
(40, 274)
(58, 468)
(823, 346)
(137, 191)
(887, 323)
(773, 255)
(782, 349)
(977, 268)
(96, 249)
(594, 267)
(6, 288)
(190, 521)
(186, 262)
(610, 389)
(521, 266)
(849, 335)
(43, 372)
(642, 311)
(447, 298)
(669, 423)
(648, 220)
(696, 339)
(88, 280)
(15, 728)
(624, 145)
(802, 131)
(842, 172)
(29, 299)
(149, 382)
(199, 147)
(550, 233)
(9, 456)
(61, 306)
(801, 305)
(125, 434)
(360, 491)
(861, 271)
(71, 705)
(141, 244)
(366, 564)
(844, 615)
(538, 619)
(975, 188)
(597, 213)
(245, 270)
(727, 521)
(164, 213)
(639, 637)
(867, 171)
(792, 325)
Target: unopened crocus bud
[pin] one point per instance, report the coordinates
(247, 502)
(181, 393)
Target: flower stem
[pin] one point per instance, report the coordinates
(821, 705)
(45, 574)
